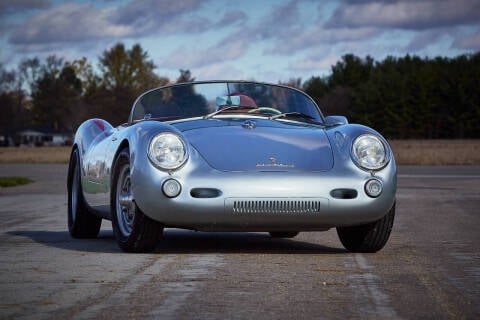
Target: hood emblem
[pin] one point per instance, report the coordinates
(249, 124)
(274, 164)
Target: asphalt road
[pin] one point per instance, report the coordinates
(430, 268)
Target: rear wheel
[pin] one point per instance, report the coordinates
(81, 222)
(369, 237)
(283, 234)
(134, 231)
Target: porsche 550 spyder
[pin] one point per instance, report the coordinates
(231, 156)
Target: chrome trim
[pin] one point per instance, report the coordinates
(125, 205)
(385, 148)
(130, 117)
(185, 149)
(292, 206)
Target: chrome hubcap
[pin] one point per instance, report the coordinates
(124, 202)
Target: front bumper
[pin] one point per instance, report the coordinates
(261, 201)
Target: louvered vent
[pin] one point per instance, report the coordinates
(276, 206)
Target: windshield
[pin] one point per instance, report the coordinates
(217, 99)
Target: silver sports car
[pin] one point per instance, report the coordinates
(231, 156)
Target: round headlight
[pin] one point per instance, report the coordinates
(167, 151)
(369, 152)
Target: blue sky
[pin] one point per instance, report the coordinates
(266, 40)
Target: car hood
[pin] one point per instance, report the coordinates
(260, 145)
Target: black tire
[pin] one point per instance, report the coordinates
(369, 237)
(81, 222)
(283, 234)
(134, 231)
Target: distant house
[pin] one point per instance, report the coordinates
(44, 137)
(6, 141)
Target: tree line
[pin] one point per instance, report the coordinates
(407, 97)
(59, 95)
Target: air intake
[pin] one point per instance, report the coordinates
(273, 206)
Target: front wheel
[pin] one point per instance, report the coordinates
(134, 231)
(369, 237)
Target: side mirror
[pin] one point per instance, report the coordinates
(333, 121)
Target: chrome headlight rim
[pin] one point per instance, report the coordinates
(162, 166)
(386, 154)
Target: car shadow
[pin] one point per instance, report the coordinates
(105, 242)
(184, 242)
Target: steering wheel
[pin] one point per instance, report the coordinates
(268, 110)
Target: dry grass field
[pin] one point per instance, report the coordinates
(35, 155)
(407, 152)
(436, 152)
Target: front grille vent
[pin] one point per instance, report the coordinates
(275, 206)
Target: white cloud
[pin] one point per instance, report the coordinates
(68, 23)
(468, 42)
(165, 16)
(279, 21)
(423, 39)
(229, 48)
(218, 71)
(415, 15)
(314, 63)
(317, 36)
(232, 18)
(12, 7)
(233, 46)
(74, 22)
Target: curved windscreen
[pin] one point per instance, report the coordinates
(222, 98)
